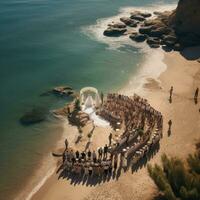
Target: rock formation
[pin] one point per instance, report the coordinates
(175, 29)
(185, 20)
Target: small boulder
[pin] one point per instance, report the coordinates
(138, 37)
(138, 17)
(154, 45)
(151, 41)
(159, 31)
(145, 14)
(157, 13)
(63, 91)
(34, 116)
(129, 22)
(136, 12)
(117, 25)
(114, 32)
(145, 29)
(170, 38)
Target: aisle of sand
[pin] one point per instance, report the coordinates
(184, 75)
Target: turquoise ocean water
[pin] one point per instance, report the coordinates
(43, 43)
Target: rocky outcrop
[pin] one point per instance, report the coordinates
(140, 16)
(185, 20)
(63, 90)
(174, 29)
(115, 29)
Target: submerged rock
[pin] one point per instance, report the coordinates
(34, 116)
(63, 91)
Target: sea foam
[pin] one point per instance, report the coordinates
(151, 65)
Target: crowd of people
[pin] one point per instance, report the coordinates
(142, 129)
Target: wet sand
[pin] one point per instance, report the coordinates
(184, 76)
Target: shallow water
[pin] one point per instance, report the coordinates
(45, 43)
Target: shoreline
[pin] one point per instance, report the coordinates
(59, 189)
(139, 78)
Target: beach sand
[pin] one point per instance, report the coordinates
(184, 76)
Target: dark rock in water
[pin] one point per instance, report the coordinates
(129, 22)
(157, 13)
(172, 38)
(169, 43)
(138, 37)
(159, 31)
(152, 41)
(36, 115)
(154, 45)
(169, 40)
(117, 25)
(145, 30)
(136, 12)
(63, 91)
(177, 47)
(145, 14)
(114, 32)
(138, 17)
(167, 48)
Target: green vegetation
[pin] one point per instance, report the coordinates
(176, 180)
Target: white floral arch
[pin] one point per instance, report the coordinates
(87, 99)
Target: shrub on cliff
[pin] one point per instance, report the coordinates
(175, 180)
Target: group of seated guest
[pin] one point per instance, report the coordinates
(142, 130)
(135, 112)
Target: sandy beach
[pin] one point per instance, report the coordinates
(184, 76)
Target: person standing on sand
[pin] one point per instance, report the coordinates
(115, 162)
(169, 129)
(105, 151)
(94, 156)
(170, 94)
(77, 154)
(100, 152)
(89, 154)
(196, 95)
